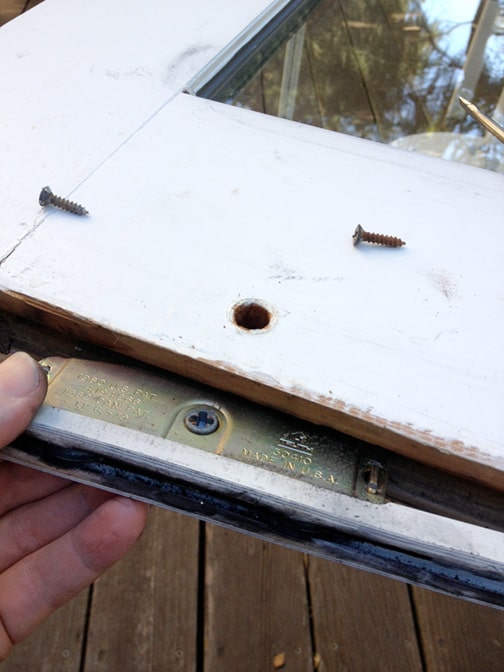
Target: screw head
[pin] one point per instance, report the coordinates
(45, 196)
(357, 234)
(201, 421)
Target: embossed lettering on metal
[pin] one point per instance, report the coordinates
(152, 404)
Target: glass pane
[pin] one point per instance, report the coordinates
(390, 71)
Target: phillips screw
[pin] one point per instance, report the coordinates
(378, 238)
(48, 198)
(202, 421)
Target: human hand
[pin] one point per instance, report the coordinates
(56, 537)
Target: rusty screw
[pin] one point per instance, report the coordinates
(48, 198)
(378, 238)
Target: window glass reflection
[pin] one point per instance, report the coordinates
(392, 71)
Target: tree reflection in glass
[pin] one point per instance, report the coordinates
(390, 69)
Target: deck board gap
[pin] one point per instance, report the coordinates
(200, 616)
(309, 604)
(85, 630)
(418, 629)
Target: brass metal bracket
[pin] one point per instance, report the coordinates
(216, 423)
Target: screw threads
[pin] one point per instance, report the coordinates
(70, 206)
(48, 198)
(377, 238)
(380, 239)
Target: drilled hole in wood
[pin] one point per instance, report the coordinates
(251, 315)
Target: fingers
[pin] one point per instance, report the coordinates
(19, 485)
(55, 538)
(34, 587)
(32, 526)
(23, 386)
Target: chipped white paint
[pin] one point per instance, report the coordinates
(195, 205)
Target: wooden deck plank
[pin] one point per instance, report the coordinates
(144, 610)
(458, 636)
(57, 645)
(256, 610)
(361, 621)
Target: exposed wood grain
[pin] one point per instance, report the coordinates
(57, 645)
(144, 610)
(458, 636)
(19, 334)
(256, 612)
(361, 622)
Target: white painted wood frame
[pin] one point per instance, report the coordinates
(196, 206)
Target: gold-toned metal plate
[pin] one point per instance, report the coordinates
(213, 422)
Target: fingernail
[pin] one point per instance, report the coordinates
(20, 375)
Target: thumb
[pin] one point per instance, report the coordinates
(23, 386)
